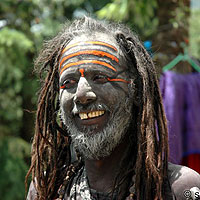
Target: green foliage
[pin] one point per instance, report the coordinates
(13, 168)
(19, 14)
(180, 21)
(194, 45)
(14, 46)
(180, 14)
(139, 14)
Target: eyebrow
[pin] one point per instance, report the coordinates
(82, 62)
(89, 43)
(89, 52)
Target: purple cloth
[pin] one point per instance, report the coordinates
(181, 99)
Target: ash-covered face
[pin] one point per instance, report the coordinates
(94, 94)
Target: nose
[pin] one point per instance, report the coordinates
(84, 93)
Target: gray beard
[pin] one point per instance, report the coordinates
(102, 143)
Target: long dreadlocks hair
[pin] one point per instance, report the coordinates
(51, 163)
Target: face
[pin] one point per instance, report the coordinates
(94, 94)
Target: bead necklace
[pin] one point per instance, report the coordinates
(72, 172)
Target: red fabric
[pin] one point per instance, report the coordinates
(192, 161)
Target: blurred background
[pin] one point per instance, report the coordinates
(170, 31)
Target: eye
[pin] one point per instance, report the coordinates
(100, 79)
(68, 84)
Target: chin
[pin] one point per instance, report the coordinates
(96, 144)
(98, 140)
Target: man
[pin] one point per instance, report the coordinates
(104, 85)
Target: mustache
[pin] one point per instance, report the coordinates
(91, 107)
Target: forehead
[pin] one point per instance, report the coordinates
(95, 37)
(98, 51)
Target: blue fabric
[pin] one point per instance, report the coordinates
(181, 99)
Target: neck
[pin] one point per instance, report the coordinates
(102, 173)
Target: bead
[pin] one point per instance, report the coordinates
(132, 195)
(67, 177)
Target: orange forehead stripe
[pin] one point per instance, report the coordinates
(91, 52)
(87, 62)
(89, 42)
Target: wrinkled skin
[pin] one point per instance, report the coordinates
(101, 140)
(88, 88)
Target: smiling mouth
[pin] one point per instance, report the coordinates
(90, 115)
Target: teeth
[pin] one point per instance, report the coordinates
(91, 114)
(83, 115)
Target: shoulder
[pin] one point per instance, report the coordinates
(182, 179)
(32, 193)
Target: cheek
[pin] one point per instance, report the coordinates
(112, 94)
(66, 101)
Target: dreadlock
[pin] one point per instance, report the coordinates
(51, 163)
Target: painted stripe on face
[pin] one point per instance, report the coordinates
(109, 79)
(62, 87)
(118, 80)
(82, 62)
(89, 52)
(82, 72)
(89, 42)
